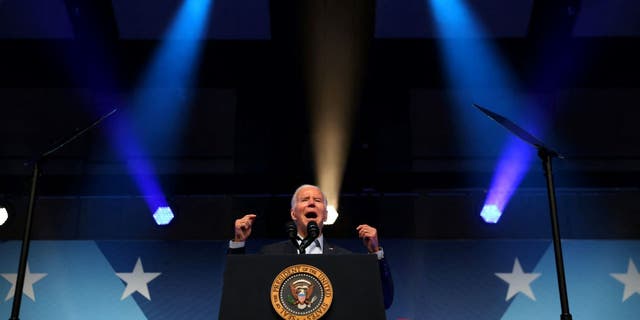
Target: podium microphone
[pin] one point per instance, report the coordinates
(292, 233)
(313, 231)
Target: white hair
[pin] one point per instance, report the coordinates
(295, 194)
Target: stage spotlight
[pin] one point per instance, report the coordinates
(490, 213)
(332, 215)
(163, 216)
(4, 215)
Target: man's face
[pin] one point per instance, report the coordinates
(309, 206)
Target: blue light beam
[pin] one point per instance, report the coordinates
(476, 73)
(163, 90)
(158, 114)
(137, 163)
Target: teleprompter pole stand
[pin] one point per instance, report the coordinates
(26, 240)
(546, 155)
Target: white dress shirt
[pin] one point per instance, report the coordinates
(315, 247)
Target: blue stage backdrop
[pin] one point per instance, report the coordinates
(465, 279)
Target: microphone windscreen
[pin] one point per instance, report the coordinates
(292, 231)
(313, 230)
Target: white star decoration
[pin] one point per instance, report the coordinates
(518, 281)
(137, 281)
(631, 280)
(29, 280)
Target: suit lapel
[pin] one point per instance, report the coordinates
(290, 249)
(327, 248)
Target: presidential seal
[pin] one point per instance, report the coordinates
(301, 292)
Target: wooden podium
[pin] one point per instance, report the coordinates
(247, 292)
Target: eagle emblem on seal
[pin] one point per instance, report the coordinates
(301, 291)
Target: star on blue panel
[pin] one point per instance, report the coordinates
(631, 280)
(137, 280)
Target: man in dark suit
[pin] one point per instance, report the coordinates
(309, 203)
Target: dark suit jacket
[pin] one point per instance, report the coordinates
(286, 247)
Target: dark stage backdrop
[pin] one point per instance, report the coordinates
(236, 155)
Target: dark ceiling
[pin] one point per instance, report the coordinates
(244, 40)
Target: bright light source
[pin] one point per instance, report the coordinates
(490, 213)
(4, 215)
(332, 215)
(163, 215)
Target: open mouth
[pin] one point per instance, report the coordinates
(310, 215)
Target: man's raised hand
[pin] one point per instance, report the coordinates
(243, 227)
